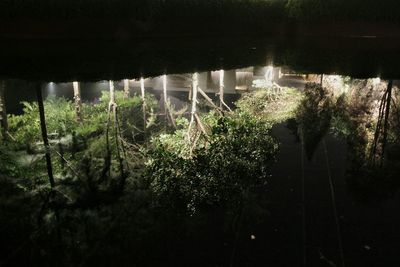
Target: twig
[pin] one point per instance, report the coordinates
(200, 124)
(210, 100)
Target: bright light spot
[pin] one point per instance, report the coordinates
(253, 237)
(51, 88)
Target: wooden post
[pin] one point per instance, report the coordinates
(78, 101)
(3, 112)
(44, 134)
(126, 88)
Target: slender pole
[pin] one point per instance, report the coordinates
(44, 134)
(165, 98)
(112, 93)
(126, 88)
(3, 112)
(195, 85)
(221, 88)
(387, 113)
(165, 92)
(194, 98)
(78, 101)
(142, 89)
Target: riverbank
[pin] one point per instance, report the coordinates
(88, 29)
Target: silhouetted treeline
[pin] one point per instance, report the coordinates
(262, 10)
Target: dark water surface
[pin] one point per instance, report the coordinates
(92, 60)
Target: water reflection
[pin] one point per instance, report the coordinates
(202, 167)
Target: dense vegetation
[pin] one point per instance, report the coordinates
(234, 159)
(122, 184)
(123, 195)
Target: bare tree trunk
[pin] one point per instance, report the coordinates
(44, 134)
(221, 89)
(126, 88)
(78, 101)
(322, 80)
(167, 110)
(222, 103)
(142, 89)
(386, 125)
(195, 85)
(165, 97)
(3, 112)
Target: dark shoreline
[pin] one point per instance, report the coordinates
(90, 50)
(94, 60)
(81, 29)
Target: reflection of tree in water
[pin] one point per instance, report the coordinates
(314, 116)
(367, 117)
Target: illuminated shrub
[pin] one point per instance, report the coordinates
(235, 157)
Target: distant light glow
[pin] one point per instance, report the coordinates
(51, 87)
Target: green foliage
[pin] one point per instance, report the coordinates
(236, 156)
(81, 145)
(60, 120)
(272, 104)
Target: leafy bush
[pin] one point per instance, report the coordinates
(60, 120)
(236, 156)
